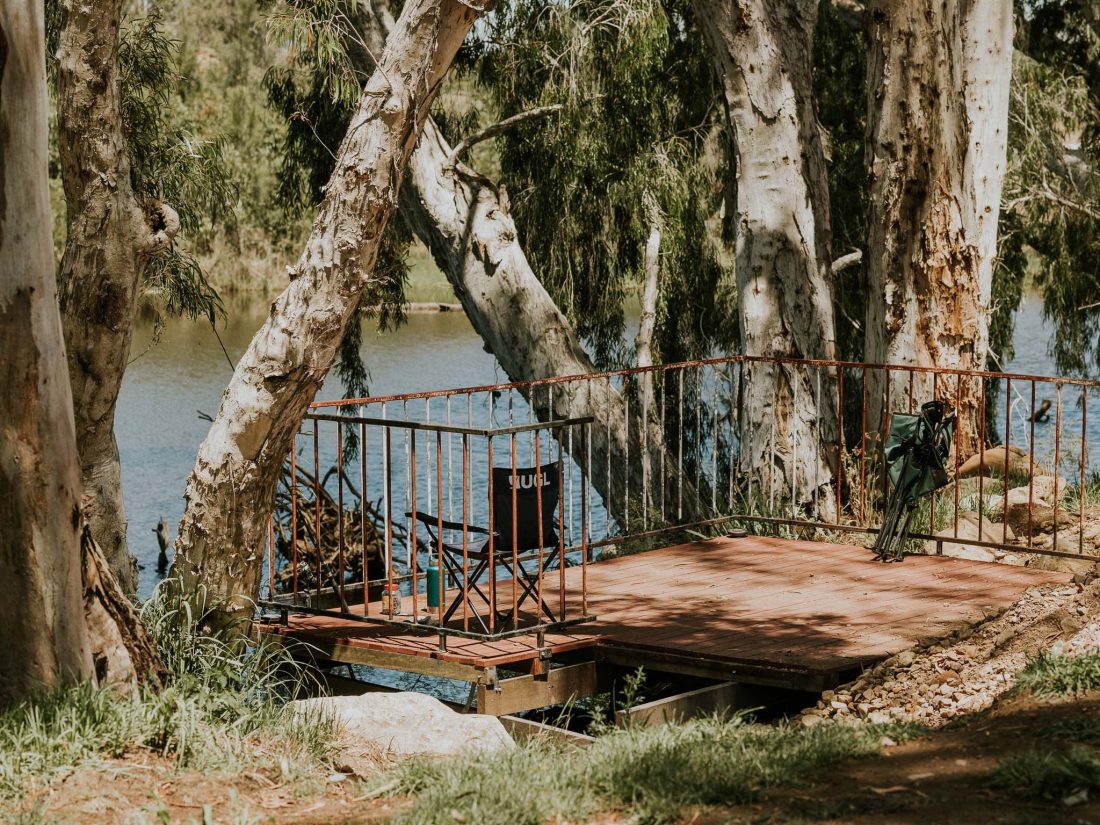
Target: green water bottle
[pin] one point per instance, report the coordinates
(435, 586)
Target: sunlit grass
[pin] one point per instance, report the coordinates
(1051, 675)
(656, 773)
(222, 708)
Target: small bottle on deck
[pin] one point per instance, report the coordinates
(391, 600)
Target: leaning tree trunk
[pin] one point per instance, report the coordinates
(938, 80)
(463, 219)
(230, 491)
(788, 422)
(109, 237)
(43, 640)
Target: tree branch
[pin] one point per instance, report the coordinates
(847, 261)
(499, 128)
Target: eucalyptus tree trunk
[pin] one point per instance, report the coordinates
(43, 640)
(230, 490)
(110, 235)
(788, 421)
(938, 75)
(464, 219)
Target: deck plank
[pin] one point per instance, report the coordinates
(803, 605)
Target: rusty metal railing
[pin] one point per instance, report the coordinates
(650, 456)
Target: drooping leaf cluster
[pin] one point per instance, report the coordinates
(1049, 226)
(636, 144)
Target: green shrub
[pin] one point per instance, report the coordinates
(1047, 772)
(1053, 674)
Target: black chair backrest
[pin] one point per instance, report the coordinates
(526, 506)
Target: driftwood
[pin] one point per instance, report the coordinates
(307, 529)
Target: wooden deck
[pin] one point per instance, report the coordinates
(756, 609)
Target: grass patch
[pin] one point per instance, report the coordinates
(1051, 675)
(223, 708)
(656, 772)
(1048, 773)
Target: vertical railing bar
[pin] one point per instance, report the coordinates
(271, 556)
(410, 525)
(572, 463)
(294, 516)
(465, 529)
(1008, 456)
(363, 512)
(1031, 469)
(817, 450)
(771, 440)
(732, 367)
(414, 562)
(585, 503)
(561, 542)
(1057, 462)
(440, 569)
(607, 417)
(450, 471)
(981, 459)
(317, 500)
(1081, 471)
(698, 396)
(932, 498)
(680, 452)
(839, 439)
(492, 542)
(794, 455)
(515, 527)
(714, 442)
(863, 451)
(626, 460)
(661, 447)
(340, 511)
(958, 447)
(538, 507)
(647, 385)
(387, 494)
(428, 462)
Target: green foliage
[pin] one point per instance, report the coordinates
(656, 772)
(637, 144)
(223, 706)
(1054, 675)
(1048, 773)
(1052, 185)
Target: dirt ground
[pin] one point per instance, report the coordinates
(938, 779)
(135, 791)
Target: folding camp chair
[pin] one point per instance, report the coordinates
(916, 451)
(527, 499)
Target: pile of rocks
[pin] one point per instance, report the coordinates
(966, 671)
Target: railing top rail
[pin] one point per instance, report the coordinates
(732, 359)
(487, 432)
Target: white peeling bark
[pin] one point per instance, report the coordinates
(938, 75)
(229, 493)
(788, 423)
(43, 641)
(109, 238)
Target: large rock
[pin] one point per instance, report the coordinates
(402, 724)
(968, 531)
(992, 462)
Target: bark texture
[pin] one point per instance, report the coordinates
(788, 423)
(938, 75)
(43, 641)
(464, 220)
(110, 236)
(229, 492)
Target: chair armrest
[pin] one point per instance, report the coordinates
(430, 520)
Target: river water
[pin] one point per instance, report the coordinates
(168, 383)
